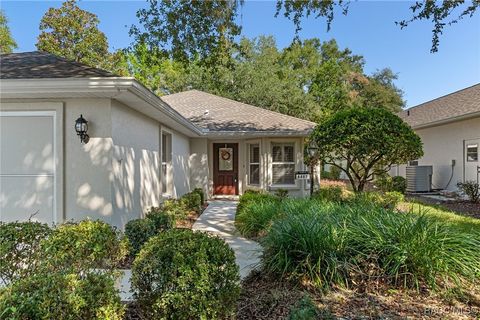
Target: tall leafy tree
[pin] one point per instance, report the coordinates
(7, 43)
(364, 143)
(73, 33)
(188, 29)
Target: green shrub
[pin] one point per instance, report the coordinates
(471, 190)
(390, 184)
(387, 200)
(138, 232)
(253, 196)
(180, 274)
(19, 248)
(330, 193)
(192, 201)
(281, 193)
(200, 192)
(334, 244)
(305, 309)
(84, 245)
(161, 219)
(175, 208)
(62, 295)
(335, 173)
(257, 216)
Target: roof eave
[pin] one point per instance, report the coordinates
(445, 121)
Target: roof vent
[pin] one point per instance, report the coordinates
(206, 113)
(408, 112)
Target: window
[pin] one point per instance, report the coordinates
(472, 152)
(283, 163)
(254, 164)
(166, 161)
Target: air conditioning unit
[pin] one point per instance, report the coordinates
(419, 178)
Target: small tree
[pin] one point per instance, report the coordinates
(364, 142)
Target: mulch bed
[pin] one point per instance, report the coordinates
(267, 297)
(461, 207)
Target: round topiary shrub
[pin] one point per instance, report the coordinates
(19, 248)
(161, 219)
(83, 246)
(62, 295)
(181, 274)
(138, 232)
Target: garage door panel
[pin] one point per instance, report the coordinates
(22, 196)
(27, 144)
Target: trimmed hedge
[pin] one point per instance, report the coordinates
(181, 274)
(138, 232)
(19, 248)
(62, 295)
(83, 246)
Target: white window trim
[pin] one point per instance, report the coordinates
(294, 163)
(259, 163)
(169, 174)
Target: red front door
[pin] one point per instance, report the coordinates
(225, 168)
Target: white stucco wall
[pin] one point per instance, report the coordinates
(180, 163)
(441, 145)
(135, 164)
(199, 164)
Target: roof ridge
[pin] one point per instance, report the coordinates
(246, 104)
(441, 97)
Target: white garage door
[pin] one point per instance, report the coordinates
(27, 166)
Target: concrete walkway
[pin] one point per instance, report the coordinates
(218, 219)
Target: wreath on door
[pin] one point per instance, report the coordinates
(225, 155)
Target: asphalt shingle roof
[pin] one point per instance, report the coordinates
(218, 114)
(39, 65)
(453, 105)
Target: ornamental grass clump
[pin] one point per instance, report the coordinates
(181, 274)
(332, 244)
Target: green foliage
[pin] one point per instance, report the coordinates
(329, 193)
(387, 200)
(387, 183)
(62, 295)
(281, 193)
(73, 33)
(162, 220)
(305, 309)
(181, 274)
(200, 192)
(334, 244)
(175, 208)
(7, 43)
(255, 217)
(138, 232)
(20, 249)
(366, 142)
(471, 189)
(83, 246)
(192, 201)
(189, 29)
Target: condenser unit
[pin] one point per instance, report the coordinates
(419, 178)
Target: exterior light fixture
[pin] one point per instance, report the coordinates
(312, 149)
(81, 127)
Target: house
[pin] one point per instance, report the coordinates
(138, 148)
(449, 127)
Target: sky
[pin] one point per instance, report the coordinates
(369, 29)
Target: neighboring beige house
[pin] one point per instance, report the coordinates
(142, 148)
(449, 127)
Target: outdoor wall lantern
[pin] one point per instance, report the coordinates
(81, 127)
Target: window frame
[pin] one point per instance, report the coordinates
(249, 170)
(293, 162)
(473, 145)
(166, 177)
